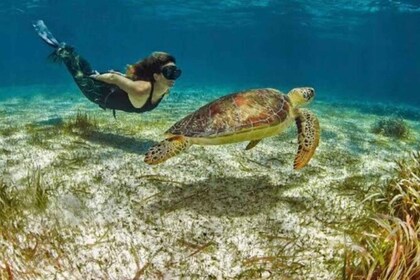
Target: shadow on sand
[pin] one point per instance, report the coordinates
(225, 196)
(125, 143)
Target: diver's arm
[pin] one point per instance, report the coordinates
(135, 88)
(116, 72)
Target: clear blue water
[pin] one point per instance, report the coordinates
(361, 49)
(77, 199)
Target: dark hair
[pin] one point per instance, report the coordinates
(144, 69)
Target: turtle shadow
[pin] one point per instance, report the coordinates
(53, 121)
(125, 143)
(222, 196)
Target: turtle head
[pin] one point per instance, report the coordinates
(301, 96)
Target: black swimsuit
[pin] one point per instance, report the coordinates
(107, 96)
(116, 99)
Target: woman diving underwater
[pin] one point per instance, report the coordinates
(140, 90)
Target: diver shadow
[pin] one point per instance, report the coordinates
(221, 196)
(125, 143)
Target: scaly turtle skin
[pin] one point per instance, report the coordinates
(244, 116)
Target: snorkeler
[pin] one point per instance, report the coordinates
(141, 89)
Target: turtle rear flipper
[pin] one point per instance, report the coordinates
(308, 137)
(252, 144)
(166, 149)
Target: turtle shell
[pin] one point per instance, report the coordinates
(241, 111)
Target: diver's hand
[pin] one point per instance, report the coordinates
(106, 77)
(110, 78)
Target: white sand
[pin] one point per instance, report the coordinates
(214, 212)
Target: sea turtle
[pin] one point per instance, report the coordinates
(243, 116)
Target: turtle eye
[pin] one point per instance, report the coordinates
(308, 94)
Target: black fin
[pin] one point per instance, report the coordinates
(46, 35)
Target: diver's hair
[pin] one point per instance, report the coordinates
(144, 69)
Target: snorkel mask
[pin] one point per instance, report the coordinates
(171, 72)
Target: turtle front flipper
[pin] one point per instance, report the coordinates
(166, 149)
(308, 137)
(252, 144)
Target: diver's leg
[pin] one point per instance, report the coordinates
(79, 68)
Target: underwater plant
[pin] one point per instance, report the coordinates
(391, 127)
(401, 196)
(41, 136)
(38, 189)
(390, 248)
(8, 131)
(44, 134)
(40, 139)
(8, 203)
(82, 124)
(21, 204)
(15, 199)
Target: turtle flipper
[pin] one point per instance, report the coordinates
(252, 144)
(166, 149)
(308, 137)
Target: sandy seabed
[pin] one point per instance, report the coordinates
(83, 204)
